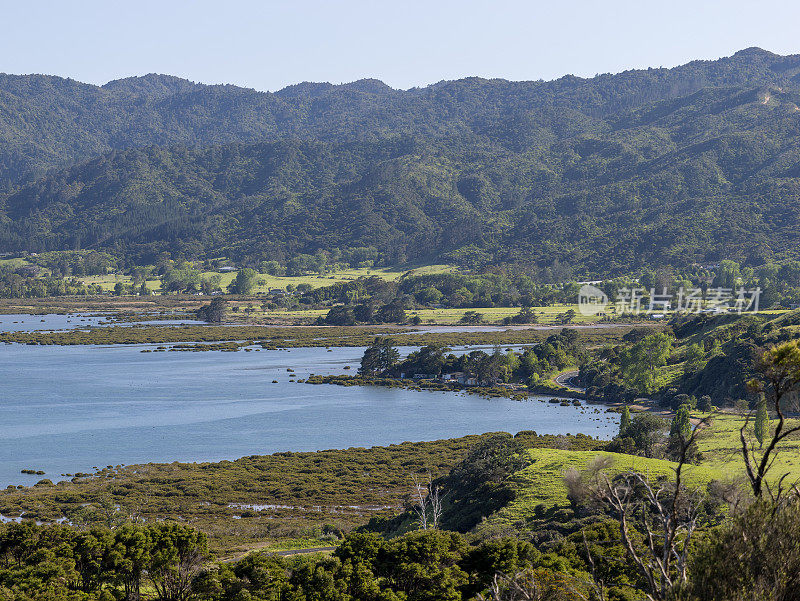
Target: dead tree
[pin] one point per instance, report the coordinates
(420, 505)
(517, 587)
(428, 503)
(668, 519)
(779, 368)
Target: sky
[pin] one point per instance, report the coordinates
(269, 44)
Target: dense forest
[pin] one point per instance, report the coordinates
(567, 178)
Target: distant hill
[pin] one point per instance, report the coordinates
(602, 175)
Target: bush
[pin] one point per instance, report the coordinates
(754, 555)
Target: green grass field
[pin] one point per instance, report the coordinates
(722, 451)
(491, 315)
(107, 282)
(13, 263)
(496, 314)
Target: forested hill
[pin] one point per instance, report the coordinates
(695, 163)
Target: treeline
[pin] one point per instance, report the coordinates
(60, 562)
(374, 300)
(170, 562)
(14, 285)
(526, 366)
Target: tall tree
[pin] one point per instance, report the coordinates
(388, 354)
(370, 361)
(624, 420)
(681, 426)
(245, 281)
(639, 363)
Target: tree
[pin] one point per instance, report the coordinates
(566, 317)
(244, 282)
(423, 566)
(694, 358)
(525, 315)
(180, 277)
(211, 283)
(704, 403)
(214, 312)
(370, 361)
(646, 430)
(679, 432)
(340, 315)
(272, 268)
(392, 312)
(624, 419)
(388, 354)
(177, 555)
(471, 318)
(753, 555)
(427, 502)
(364, 312)
(91, 558)
(681, 426)
(728, 274)
(379, 357)
(430, 359)
(130, 557)
(778, 371)
(639, 363)
(668, 517)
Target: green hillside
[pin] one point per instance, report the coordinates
(540, 486)
(572, 177)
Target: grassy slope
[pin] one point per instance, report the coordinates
(722, 449)
(542, 481)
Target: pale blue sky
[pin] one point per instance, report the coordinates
(269, 44)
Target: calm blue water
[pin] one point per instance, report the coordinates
(29, 323)
(50, 322)
(68, 409)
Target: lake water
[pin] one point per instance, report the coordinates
(51, 322)
(68, 409)
(30, 323)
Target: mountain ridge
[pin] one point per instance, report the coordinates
(478, 172)
(49, 122)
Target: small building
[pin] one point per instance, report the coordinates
(455, 376)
